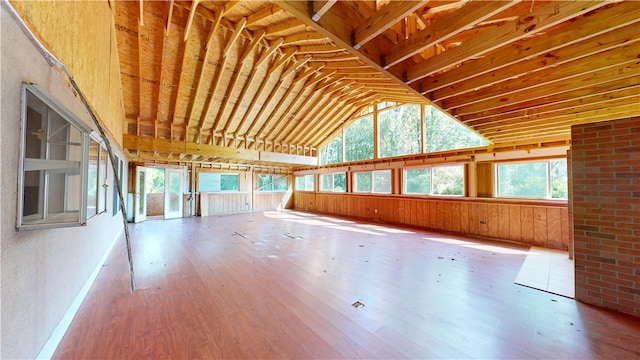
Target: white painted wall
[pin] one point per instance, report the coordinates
(42, 271)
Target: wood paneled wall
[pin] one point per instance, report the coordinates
(224, 203)
(538, 224)
(238, 202)
(271, 200)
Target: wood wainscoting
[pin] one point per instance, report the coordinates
(224, 203)
(544, 224)
(239, 202)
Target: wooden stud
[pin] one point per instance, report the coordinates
(192, 13)
(382, 19)
(503, 35)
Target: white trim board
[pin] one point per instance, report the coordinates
(58, 333)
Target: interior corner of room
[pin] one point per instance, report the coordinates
(320, 179)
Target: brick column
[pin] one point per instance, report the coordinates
(605, 167)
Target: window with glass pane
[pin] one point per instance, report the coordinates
(358, 140)
(52, 164)
(332, 153)
(540, 179)
(214, 182)
(272, 183)
(444, 133)
(362, 182)
(326, 182)
(336, 182)
(116, 198)
(522, 179)
(92, 179)
(265, 183)
(309, 183)
(102, 171)
(382, 181)
(417, 181)
(448, 180)
(280, 184)
(559, 179)
(399, 131)
(229, 182)
(305, 183)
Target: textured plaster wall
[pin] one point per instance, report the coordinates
(42, 271)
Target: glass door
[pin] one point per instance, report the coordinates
(140, 201)
(172, 193)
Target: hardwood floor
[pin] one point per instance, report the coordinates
(282, 285)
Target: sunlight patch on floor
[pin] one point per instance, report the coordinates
(548, 270)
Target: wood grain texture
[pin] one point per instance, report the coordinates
(498, 219)
(281, 284)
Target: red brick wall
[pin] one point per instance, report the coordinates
(606, 213)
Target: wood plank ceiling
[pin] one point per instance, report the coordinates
(207, 81)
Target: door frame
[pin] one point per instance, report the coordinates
(167, 193)
(140, 197)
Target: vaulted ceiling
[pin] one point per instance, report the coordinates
(240, 80)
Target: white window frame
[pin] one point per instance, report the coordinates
(43, 218)
(373, 185)
(333, 182)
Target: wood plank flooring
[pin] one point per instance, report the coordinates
(282, 285)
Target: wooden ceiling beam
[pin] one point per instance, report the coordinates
(317, 8)
(328, 117)
(319, 49)
(289, 109)
(190, 151)
(267, 124)
(275, 30)
(589, 80)
(581, 29)
(203, 67)
(273, 47)
(234, 36)
(222, 62)
(336, 28)
(304, 38)
(382, 19)
(542, 18)
(322, 105)
(563, 122)
(263, 14)
(559, 101)
(288, 55)
(192, 13)
(240, 65)
(283, 117)
(595, 52)
(559, 107)
(544, 80)
(561, 117)
(311, 102)
(140, 70)
(165, 40)
(334, 120)
(301, 76)
(320, 115)
(310, 84)
(450, 25)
